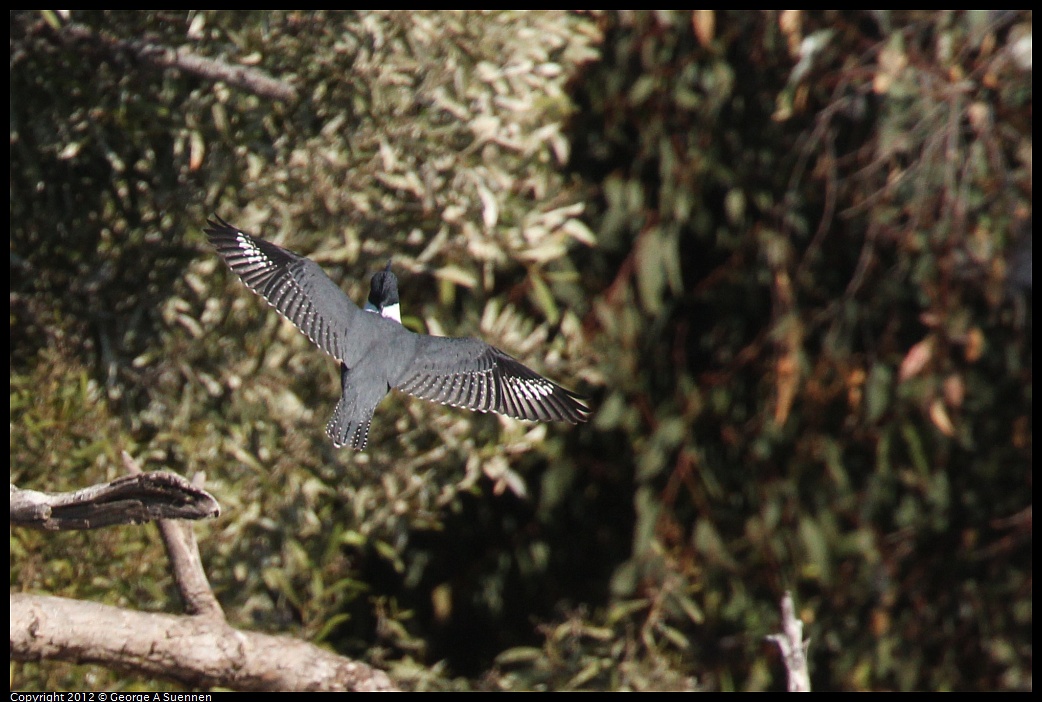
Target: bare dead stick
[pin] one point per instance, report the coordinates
(186, 563)
(793, 647)
(133, 499)
(245, 78)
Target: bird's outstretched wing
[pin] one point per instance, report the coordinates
(295, 286)
(471, 374)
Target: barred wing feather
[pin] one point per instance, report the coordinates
(471, 374)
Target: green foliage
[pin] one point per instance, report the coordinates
(434, 136)
(774, 246)
(812, 335)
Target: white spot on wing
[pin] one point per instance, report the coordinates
(254, 255)
(531, 388)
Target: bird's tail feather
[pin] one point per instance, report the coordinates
(344, 430)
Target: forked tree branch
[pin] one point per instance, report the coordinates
(199, 650)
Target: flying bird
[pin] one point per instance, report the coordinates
(376, 353)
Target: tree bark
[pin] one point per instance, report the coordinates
(199, 652)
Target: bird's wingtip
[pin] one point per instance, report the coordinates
(216, 222)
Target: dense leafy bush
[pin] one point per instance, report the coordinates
(784, 253)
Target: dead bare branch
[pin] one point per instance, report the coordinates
(185, 561)
(199, 651)
(793, 647)
(246, 78)
(133, 499)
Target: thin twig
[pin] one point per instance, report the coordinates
(793, 647)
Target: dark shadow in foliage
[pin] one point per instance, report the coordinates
(816, 229)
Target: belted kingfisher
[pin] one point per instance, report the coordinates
(376, 353)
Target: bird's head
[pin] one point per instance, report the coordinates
(383, 295)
